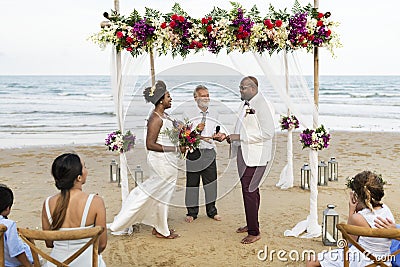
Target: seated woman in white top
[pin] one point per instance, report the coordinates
(365, 206)
(73, 209)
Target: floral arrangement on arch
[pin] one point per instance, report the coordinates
(317, 139)
(116, 141)
(289, 122)
(237, 29)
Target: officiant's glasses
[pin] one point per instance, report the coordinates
(243, 87)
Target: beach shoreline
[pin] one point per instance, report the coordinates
(27, 171)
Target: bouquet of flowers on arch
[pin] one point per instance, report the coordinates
(116, 141)
(289, 122)
(317, 139)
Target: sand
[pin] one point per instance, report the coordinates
(206, 242)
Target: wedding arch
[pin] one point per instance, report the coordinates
(229, 33)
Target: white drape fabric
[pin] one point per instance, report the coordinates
(120, 66)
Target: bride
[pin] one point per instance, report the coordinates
(148, 202)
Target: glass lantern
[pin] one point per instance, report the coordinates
(113, 171)
(329, 231)
(305, 177)
(138, 172)
(333, 167)
(322, 173)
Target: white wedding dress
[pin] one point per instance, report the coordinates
(148, 202)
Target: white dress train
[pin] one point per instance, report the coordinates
(148, 202)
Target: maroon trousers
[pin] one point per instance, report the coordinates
(250, 178)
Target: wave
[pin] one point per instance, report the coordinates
(99, 95)
(373, 95)
(17, 85)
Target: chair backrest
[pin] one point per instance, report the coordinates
(348, 230)
(3, 229)
(29, 236)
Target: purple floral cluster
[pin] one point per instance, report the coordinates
(289, 122)
(116, 141)
(243, 25)
(321, 35)
(317, 139)
(143, 31)
(297, 30)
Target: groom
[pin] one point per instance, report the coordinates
(252, 138)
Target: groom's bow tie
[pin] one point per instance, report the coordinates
(246, 103)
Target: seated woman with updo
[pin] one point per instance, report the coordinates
(72, 208)
(365, 206)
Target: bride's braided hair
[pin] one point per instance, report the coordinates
(369, 188)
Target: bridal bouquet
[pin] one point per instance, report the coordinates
(289, 122)
(189, 137)
(315, 139)
(116, 141)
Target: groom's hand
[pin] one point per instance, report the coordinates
(232, 137)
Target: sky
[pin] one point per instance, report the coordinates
(47, 37)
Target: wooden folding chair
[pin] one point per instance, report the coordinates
(29, 236)
(348, 230)
(3, 229)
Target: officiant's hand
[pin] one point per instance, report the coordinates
(232, 137)
(182, 149)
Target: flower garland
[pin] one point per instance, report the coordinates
(317, 139)
(116, 141)
(180, 34)
(289, 122)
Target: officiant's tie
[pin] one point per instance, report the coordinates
(203, 119)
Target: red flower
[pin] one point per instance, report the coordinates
(192, 44)
(320, 23)
(209, 28)
(172, 24)
(209, 18)
(129, 40)
(301, 39)
(268, 23)
(181, 18)
(163, 25)
(120, 35)
(240, 28)
(304, 45)
(199, 45)
(129, 49)
(278, 23)
(245, 34)
(328, 33)
(310, 37)
(174, 17)
(204, 21)
(320, 15)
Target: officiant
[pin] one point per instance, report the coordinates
(201, 163)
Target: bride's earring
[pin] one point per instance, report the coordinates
(160, 102)
(79, 178)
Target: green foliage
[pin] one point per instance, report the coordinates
(234, 11)
(254, 14)
(152, 14)
(275, 15)
(218, 13)
(297, 8)
(177, 9)
(133, 17)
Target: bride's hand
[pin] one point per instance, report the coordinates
(182, 149)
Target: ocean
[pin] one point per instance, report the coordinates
(54, 110)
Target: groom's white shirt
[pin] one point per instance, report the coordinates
(256, 131)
